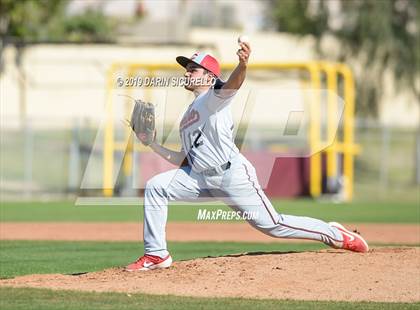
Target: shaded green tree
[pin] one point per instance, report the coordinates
(28, 20)
(381, 34)
(23, 21)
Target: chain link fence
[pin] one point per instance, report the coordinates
(37, 162)
(388, 166)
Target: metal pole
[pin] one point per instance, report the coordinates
(74, 159)
(383, 173)
(108, 150)
(315, 135)
(417, 159)
(28, 159)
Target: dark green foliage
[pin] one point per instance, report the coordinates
(382, 35)
(26, 21)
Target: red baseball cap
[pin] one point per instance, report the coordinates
(204, 60)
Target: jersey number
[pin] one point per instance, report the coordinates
(196, 135)
(195, 142)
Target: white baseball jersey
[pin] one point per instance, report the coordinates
(206, 130)
(207, 136)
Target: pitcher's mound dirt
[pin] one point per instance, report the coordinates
(383, 274)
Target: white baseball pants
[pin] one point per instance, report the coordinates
(238, 187)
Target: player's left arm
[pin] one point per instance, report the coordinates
(238, 75)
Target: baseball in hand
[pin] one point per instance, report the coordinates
(243, 39)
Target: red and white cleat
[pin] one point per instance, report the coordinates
(351, 241)
(149, 262)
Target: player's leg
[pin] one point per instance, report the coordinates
(245, 194)
(174, 185)
(177, 184)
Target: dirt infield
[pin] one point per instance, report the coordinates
(383, 274)
(187, 231)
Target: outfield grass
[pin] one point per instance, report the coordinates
(42, 299)
(351, 212)
(30, 257)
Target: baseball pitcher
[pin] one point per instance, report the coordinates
(212, 166)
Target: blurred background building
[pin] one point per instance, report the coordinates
(55, 56)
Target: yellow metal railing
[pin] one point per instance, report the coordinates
(315, 70)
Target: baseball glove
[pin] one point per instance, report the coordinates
(143, 121)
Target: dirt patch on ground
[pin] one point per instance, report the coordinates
(383, 274)
(187, 231)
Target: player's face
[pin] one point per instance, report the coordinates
(200, 77)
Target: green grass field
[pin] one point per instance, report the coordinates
(29, 257)
(358, 212)
(42, 299)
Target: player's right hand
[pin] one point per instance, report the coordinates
(244, 52)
